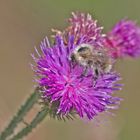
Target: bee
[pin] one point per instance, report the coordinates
(93, 58)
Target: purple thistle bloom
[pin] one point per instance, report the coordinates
(85, 29)
(124, 39)
(62, 82)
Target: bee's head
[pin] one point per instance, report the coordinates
(84, 51)
(81, 52)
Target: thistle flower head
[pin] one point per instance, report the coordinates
(124, 39)
(62, 83)
(84, 28)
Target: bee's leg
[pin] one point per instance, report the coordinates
(84, 72)
(95, 76)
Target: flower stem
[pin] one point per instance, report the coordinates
(25, 131)
(25, 108)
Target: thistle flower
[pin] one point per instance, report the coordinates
(63, 85)
(85, 29)
(124, 39)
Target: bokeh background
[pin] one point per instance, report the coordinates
(23, 24)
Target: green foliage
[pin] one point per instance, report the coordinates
(25, 131)
(25, 108)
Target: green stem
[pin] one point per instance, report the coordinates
(25, 131)
(20, 114)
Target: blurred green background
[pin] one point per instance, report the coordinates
(23, 24)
